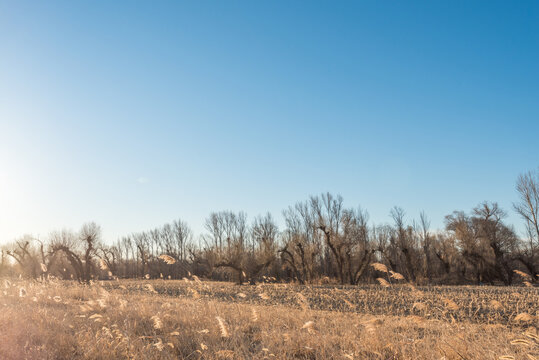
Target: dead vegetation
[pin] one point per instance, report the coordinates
(194, 319)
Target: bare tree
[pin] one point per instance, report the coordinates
(4, 266)
(426, 241)
(301, 242)
(183, 237)
(109, 258)
(386, 246)
(468, 240)
(228, 232)
(23, 253)
(499, 237)
(130, 256)
(261, 253)
(445, 250)
(485, 241)
(357, 244)
(141, 241)
(216, 230)
(329, 213)
(528, 208)
(405, 240)
(79, 249)
(32, 256)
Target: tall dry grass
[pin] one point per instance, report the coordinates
(193, 319)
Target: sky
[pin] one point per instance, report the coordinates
(137, 113)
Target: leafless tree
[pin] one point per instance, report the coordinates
(405, 240)
(262, 252)
(183, 237)
(446, 251)
(109, 258)
(23, 253)
(79, 249)
(141, 241)
(228, 232)
(329, 213)
(32, 256)
(486, 242)
(357, 244)
(500, 238)
(302, 244)
(426, 242)
(468, 240)
(528, 208)
(385, 245)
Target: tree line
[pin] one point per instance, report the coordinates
(322, 242)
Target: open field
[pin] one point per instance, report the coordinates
(490, 305)
(194, 319)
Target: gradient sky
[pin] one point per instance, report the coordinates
(133, 114)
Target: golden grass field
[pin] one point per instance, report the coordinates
(193, 319)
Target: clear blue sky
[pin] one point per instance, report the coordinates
(136, 113)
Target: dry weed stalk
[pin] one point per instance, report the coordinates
(222, 327)
(380, 267)
(450, 304)
(309, 326)
(254, 315)
(167, 259)
(524, 317)
(103, 264)
(302, 301)
(157, 323)
(522, 274)
(396, 275)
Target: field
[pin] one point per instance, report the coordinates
(193, 319)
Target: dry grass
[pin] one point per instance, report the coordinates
(200, 320)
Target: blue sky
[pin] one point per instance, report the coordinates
(133, 114)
